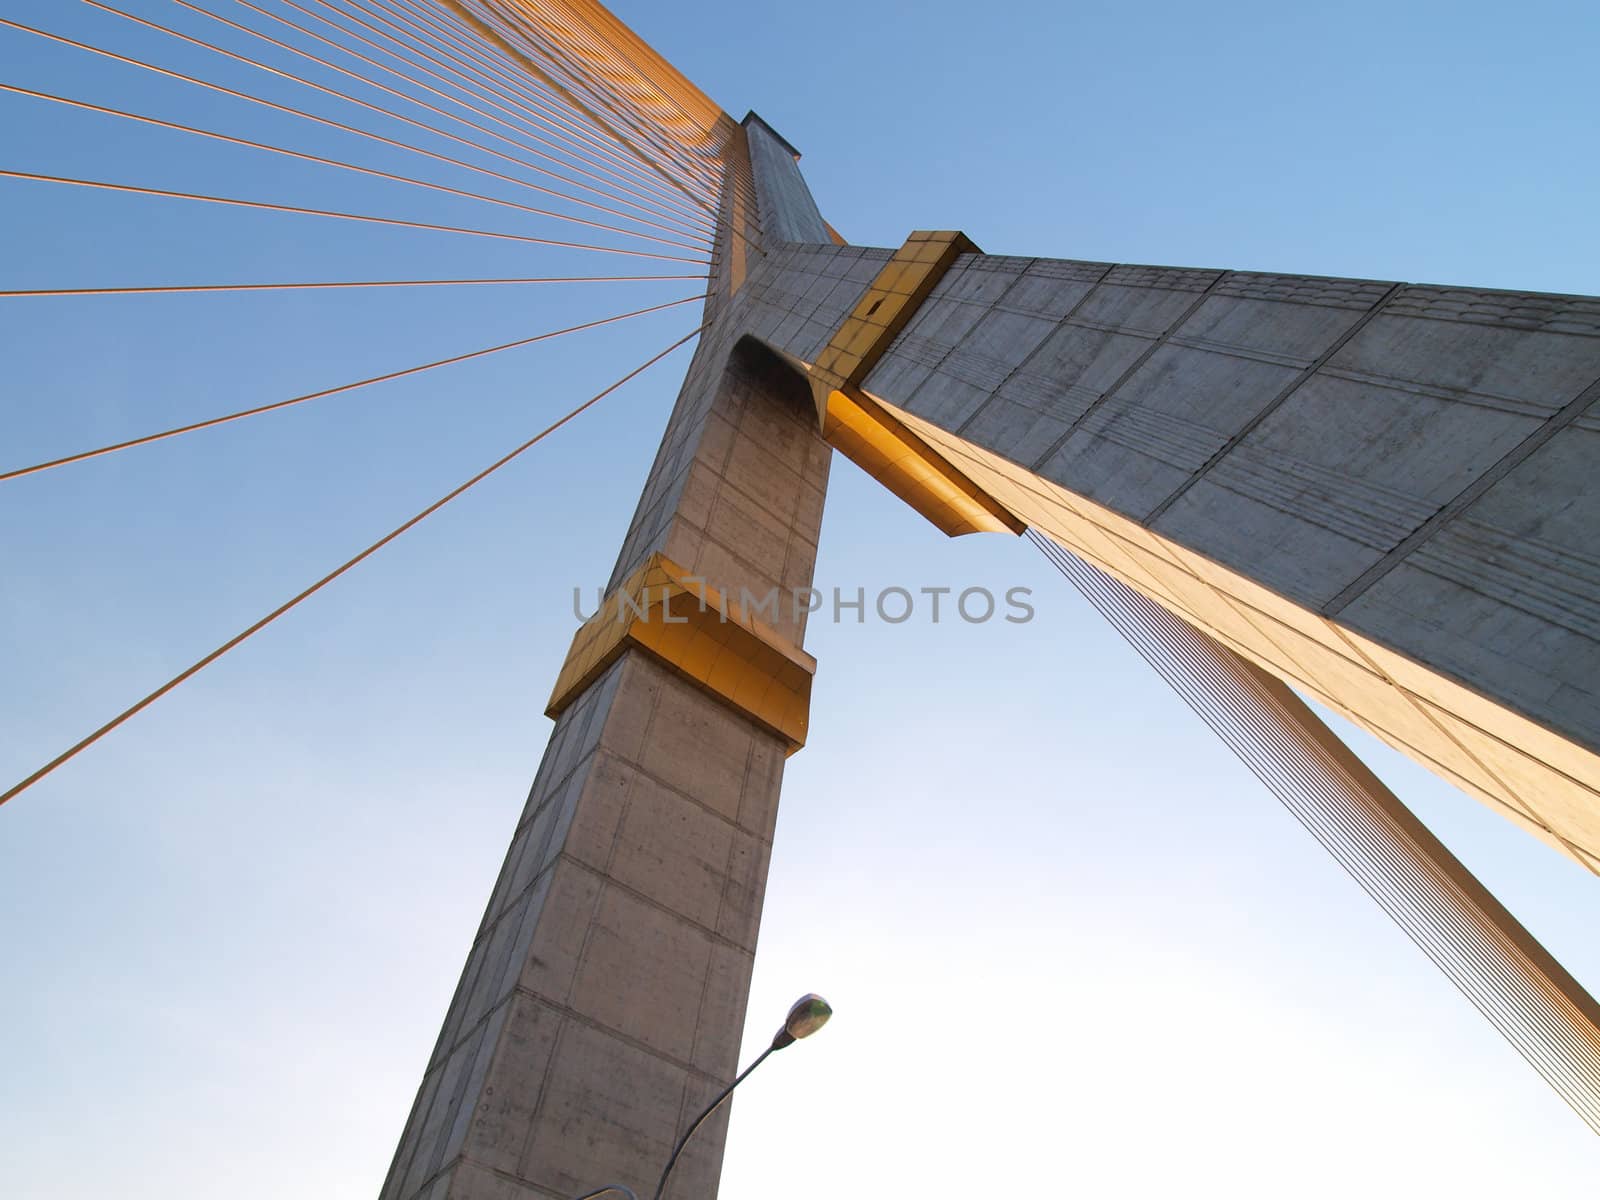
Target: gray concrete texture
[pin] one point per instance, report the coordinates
(1416, 465)
(602, 1002)
(790, 212)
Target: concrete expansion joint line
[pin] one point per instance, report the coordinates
(722, 904)
(557, 783)
(999, 300)
(512, 901)
(460, 1158)
(1133, 367)
(1032, 354)
(571, 1014)
(1554, 424)
(611, 881)
(1276, 402)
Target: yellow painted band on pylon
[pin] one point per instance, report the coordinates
(858, 426)
(886, 307)
(702, 635)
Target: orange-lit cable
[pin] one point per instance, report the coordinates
(389, 377)
(631, 126)
(625, 66)
(333, 162)
(415, 50)
(189, 672)
(515, 143)
(505, 38)
(162, 193)
(603, 62)
(500, 28)
(1496, 963)
(513, 25)
(390, 113)
(326, 121)
(422, 56)
(457, 99)
(435, 30)
(179, 289)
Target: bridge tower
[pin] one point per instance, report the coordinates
(1380, 494)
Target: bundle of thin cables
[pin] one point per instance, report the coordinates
(1538, 1007)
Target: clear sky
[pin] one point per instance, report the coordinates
(1074, 948)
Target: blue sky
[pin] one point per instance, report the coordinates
(1073, 946)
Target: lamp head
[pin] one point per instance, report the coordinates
(807, 1015)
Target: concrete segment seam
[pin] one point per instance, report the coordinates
(1032, 354)
(1132, 368)
(1507, 462)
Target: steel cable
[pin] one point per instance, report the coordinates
(199, 665)
(689, 158)
(405, 78)
(276, 405)
(517, 143)
(512, 35)
(334, 92)
(178, 289)
(263, 205)
(413, 45)
(1539, 1008)
(246, 143)
(440, 25)
(324, 121)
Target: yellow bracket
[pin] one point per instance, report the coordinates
(886, 307)
(702, 635)
(860, 429)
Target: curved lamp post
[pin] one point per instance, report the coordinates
(806, 1015)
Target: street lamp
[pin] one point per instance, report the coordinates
(806, 1015)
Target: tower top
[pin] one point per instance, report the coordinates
(753, 115)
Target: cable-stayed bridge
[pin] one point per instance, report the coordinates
(1374, 493)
